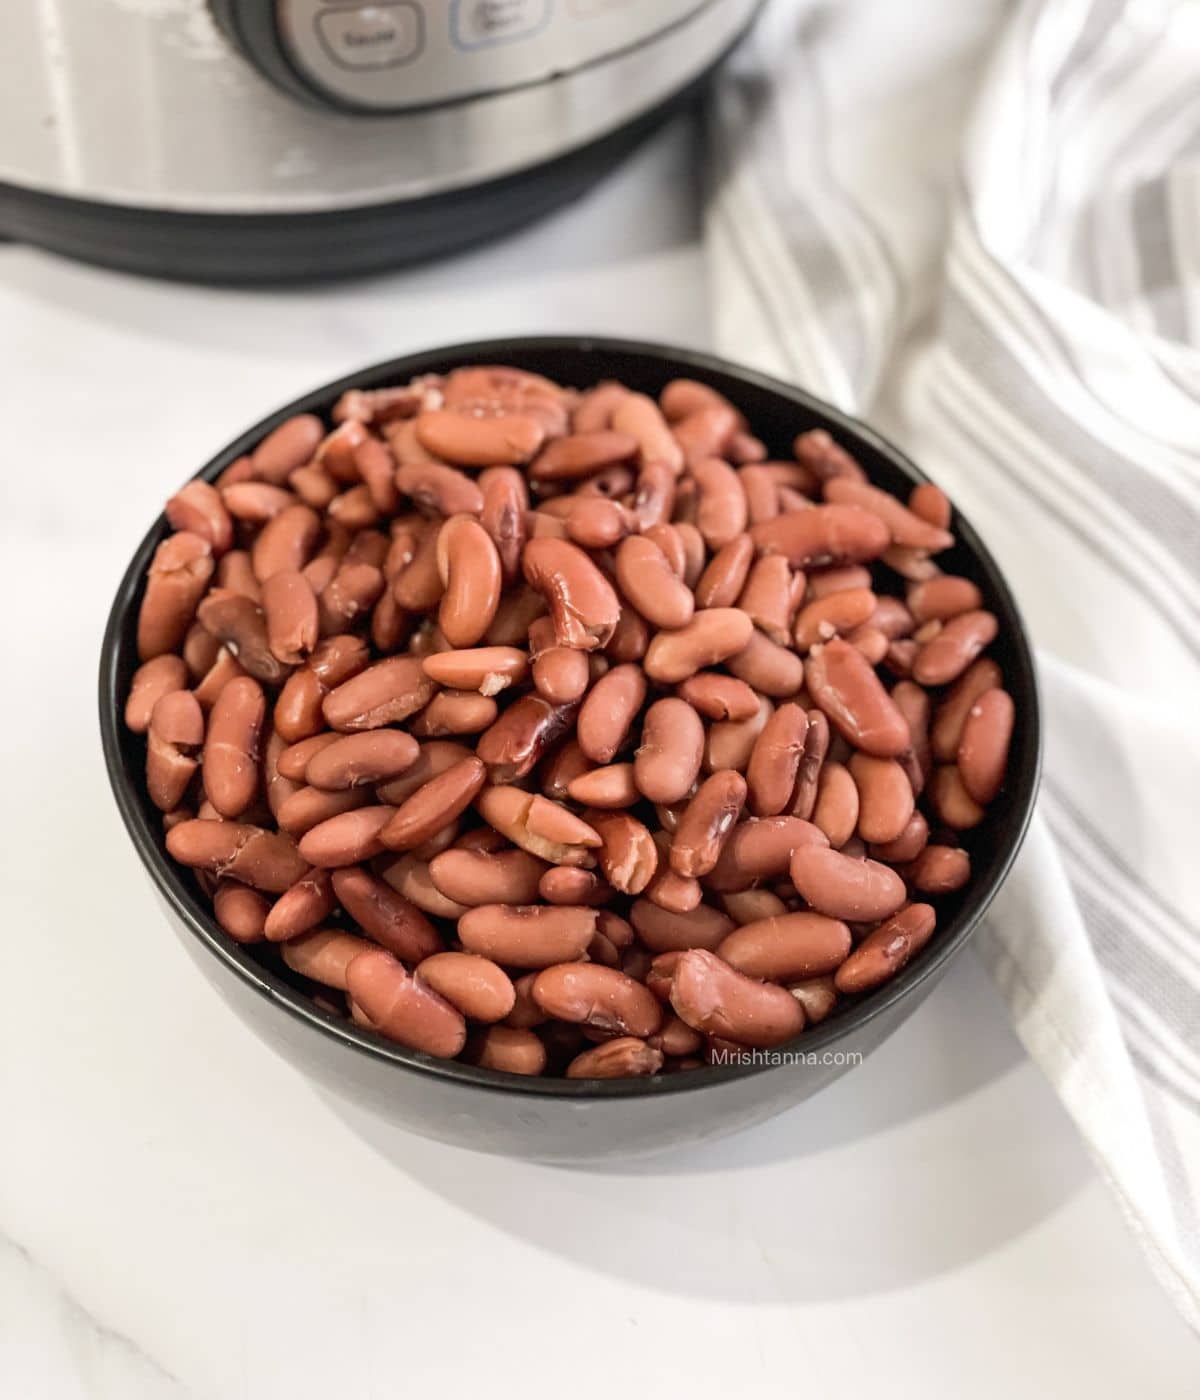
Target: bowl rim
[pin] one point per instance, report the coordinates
(169, 879)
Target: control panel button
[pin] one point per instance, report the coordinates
(373, 36)
(475, 24)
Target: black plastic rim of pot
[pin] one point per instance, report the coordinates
(582, 361)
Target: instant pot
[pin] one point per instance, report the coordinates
(263, 139)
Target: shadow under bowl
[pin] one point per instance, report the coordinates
(560, 1119)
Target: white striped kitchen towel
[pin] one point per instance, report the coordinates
(979, 226)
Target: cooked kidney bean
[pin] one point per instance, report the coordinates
(599, 997)
(721, 581)
(385, 915)
(983, 748)
(358, 760)
(836, 808)
(301, 907)
(582, 602)
(712, 636)
(665, 930)
(711, 996)
(760, 849)
(509, 1049)
(623, 1058)
(522, 735)
(528, 935)
(265, 860)
(667, 889)
(324, 955)
(847, 689)
(845, 887)
(174, 735)
(627, 854)
(950, 800)
(345, 838)
(719, 697)
(787, 946)
(469, 878)
(386, 693)
(948, 654)
(885, 797)
(175, 583)
(493, 678)
(299, 811)
(651, 585)
(706, 823)
(151, 681)
(668, 759)
(775, 760)
(609, 711)
(820, 535)
(402, 1008)
(478, 987)
(434, 805)
(886, 949)
(940, 869)
(906, 528)
(231, 746)
(469, 565)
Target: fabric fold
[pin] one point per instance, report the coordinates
(977, 227)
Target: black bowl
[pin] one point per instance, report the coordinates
(559, 1119)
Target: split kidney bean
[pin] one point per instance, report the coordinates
(627, 854)
(174, 734)
(522, 718)
(177, 580)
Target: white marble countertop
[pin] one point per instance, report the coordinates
(181, 1214)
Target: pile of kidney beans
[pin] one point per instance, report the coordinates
(566, 731)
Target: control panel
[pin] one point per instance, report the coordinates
(394, 55)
